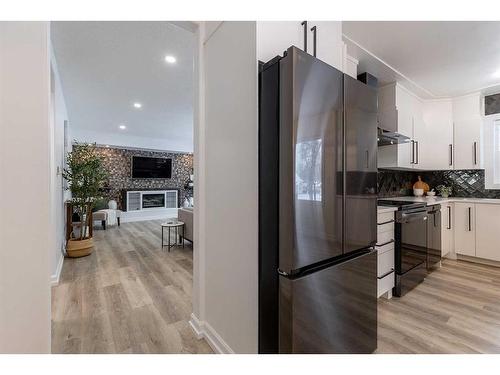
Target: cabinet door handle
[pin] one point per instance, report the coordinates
(385, 243)
(304, 23)
(315, 32)
(449, 217)
(475, 153)
(367, 160)
(451, 155)
(416, 153)
(386, 222)
(412, 152)
(386, 274)
(469, 218)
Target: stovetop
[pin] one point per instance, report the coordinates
(400, 204)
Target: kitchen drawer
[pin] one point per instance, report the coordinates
(387, 226)
(385, 284)
(385, 237)
(387, 247)
(382, 218)
(385, 263)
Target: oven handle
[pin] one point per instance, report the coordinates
(406, 218)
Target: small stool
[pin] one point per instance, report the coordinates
(170, 225)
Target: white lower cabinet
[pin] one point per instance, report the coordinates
(447, 225)
(464, 233)
(385, 254)
(488, 231)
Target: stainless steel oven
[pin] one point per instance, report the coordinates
(410, 248)
(417, 242)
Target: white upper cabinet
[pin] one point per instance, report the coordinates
(467, 122)
(401, 112)
(419, 134)
(329, 45)
(395, 106)
(438, 145)
(275, 37)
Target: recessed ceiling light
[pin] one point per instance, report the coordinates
(122, 127)
(497, 74)
(170, 59)
(137, 105)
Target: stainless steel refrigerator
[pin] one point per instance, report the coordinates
(317, 208)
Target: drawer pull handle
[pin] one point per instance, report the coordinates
(385, 243)
(386, 274)
(386, 222)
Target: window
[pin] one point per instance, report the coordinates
(308, 170)
(496, 152)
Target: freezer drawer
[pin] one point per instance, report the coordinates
(333, 310)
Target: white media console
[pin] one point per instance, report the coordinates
(150, 205)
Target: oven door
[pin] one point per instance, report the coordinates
(412, 232)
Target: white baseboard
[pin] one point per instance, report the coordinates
(54, 279)
(206, 331)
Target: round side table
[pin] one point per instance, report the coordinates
(171, 224)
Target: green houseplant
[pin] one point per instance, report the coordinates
(445, 191)
(86, 175)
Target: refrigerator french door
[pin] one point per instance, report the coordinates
(317, 209)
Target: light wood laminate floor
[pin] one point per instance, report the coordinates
(128, 296)
(455, 310)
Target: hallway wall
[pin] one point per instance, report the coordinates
(25, 225)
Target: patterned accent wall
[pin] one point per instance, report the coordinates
(464, 183)
(118, 163)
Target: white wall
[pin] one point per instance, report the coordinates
(24, 171)
(226, 283)
(125, 140)
(59, 115)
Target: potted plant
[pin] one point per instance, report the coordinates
(86, 176)
(445, 191)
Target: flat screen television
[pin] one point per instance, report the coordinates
(148, 167)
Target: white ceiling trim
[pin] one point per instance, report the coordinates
(405, 77)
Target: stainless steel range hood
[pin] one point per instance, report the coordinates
(386, 138)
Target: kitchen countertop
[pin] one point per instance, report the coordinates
(434, 200)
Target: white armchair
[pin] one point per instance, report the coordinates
(108, 217)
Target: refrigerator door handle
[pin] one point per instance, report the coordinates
(283, 273)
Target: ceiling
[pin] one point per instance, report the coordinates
(432, 58)
(105, 67)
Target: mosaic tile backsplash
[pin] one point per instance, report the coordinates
(117, 162)
(464, 183)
